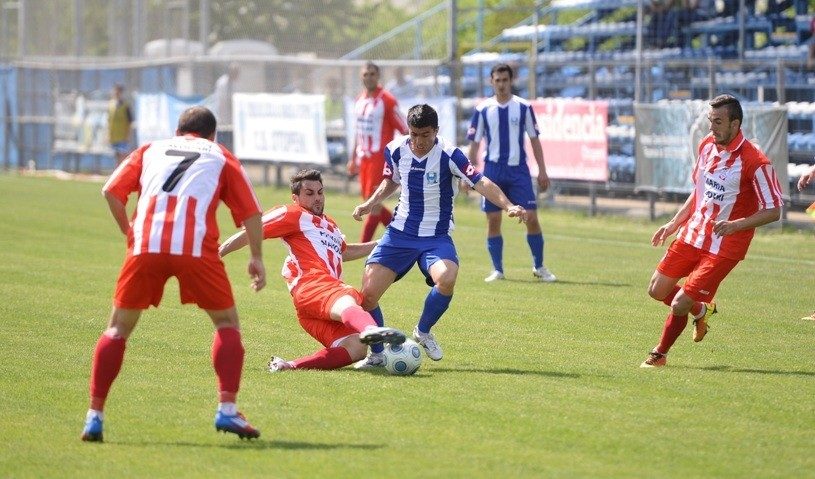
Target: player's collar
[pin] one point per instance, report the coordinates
(735, 143)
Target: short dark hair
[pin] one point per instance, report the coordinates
(502, 67)
(734, 111)
(302, 175)
(373, 65)
(198, 120)
(421, 116)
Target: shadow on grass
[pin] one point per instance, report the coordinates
(520, 372)
(259, 444)
(730, 369)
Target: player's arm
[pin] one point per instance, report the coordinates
(671, 226)
(253, 227)
(119, 212)
(383, 191)
(492, 192)
(472, 153)
(759, 218)
(358, 250)
(233, 243)
(352, 166)
(806, 178)
(537, 152)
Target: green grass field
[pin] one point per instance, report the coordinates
(538, 380)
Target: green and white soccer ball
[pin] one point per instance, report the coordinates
(403, 359)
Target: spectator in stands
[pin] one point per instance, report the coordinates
(120, 119)
(401, 86)
(222, 96)
(662, 27)
(811, 56)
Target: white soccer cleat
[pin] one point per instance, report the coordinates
(544, 274)
(494, 276)
(374, 360)
(277, 364)
(428, 342)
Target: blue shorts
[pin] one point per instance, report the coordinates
(514, 181)
(398, 251)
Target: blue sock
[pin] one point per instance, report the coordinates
(536, 246)
(495, 246)
(380, 321)
(434, 306)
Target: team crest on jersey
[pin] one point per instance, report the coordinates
(432, 177)
(514, 120)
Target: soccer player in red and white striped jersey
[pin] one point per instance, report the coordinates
(378, 119)
(173, 232)
(327, 308)
(735, 191)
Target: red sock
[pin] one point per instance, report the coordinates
(227, 359)
(385, 216)
(696, 309)
(328, 358)
(357, 318)
(107, 361)
(369, 227)
(669, 299)
(674, 326)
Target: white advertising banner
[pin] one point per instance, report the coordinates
(287, 128)
(157, 115)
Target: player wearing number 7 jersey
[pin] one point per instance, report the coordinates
(180, 182)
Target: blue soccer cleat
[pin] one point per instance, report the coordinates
(93, 429)
(236, 424)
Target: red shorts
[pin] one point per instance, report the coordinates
(370, 174)
(705, 271)
(313, 298)
(201, 281)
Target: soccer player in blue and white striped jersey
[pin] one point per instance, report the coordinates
(503, 120)
(428, 169)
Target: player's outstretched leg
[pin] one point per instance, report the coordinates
(380, 335)
(236, 424)
(93, 427)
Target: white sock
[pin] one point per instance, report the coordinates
(228, 408)
(701, 313)
(92, 413)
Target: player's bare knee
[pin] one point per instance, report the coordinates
(446, 283)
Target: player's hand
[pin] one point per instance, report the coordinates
(662, 234)
(519, 212)
(352, 167)
(361, 210)
(724, 228)
(543, 181)
(257, 272)
(805, 180)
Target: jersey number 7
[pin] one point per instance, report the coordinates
(178, 172)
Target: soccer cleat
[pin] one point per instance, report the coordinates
(93, 429)
(381, 334)
(277, 364)
(544, 274)
(809, 318)
(428, 342)
(654, 360)
(236, 424)
(374, 360)
(701, 326)
(494, 276)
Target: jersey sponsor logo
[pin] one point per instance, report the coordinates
(416, 168)
(432, 177)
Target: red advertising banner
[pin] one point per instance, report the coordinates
(573, 136)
